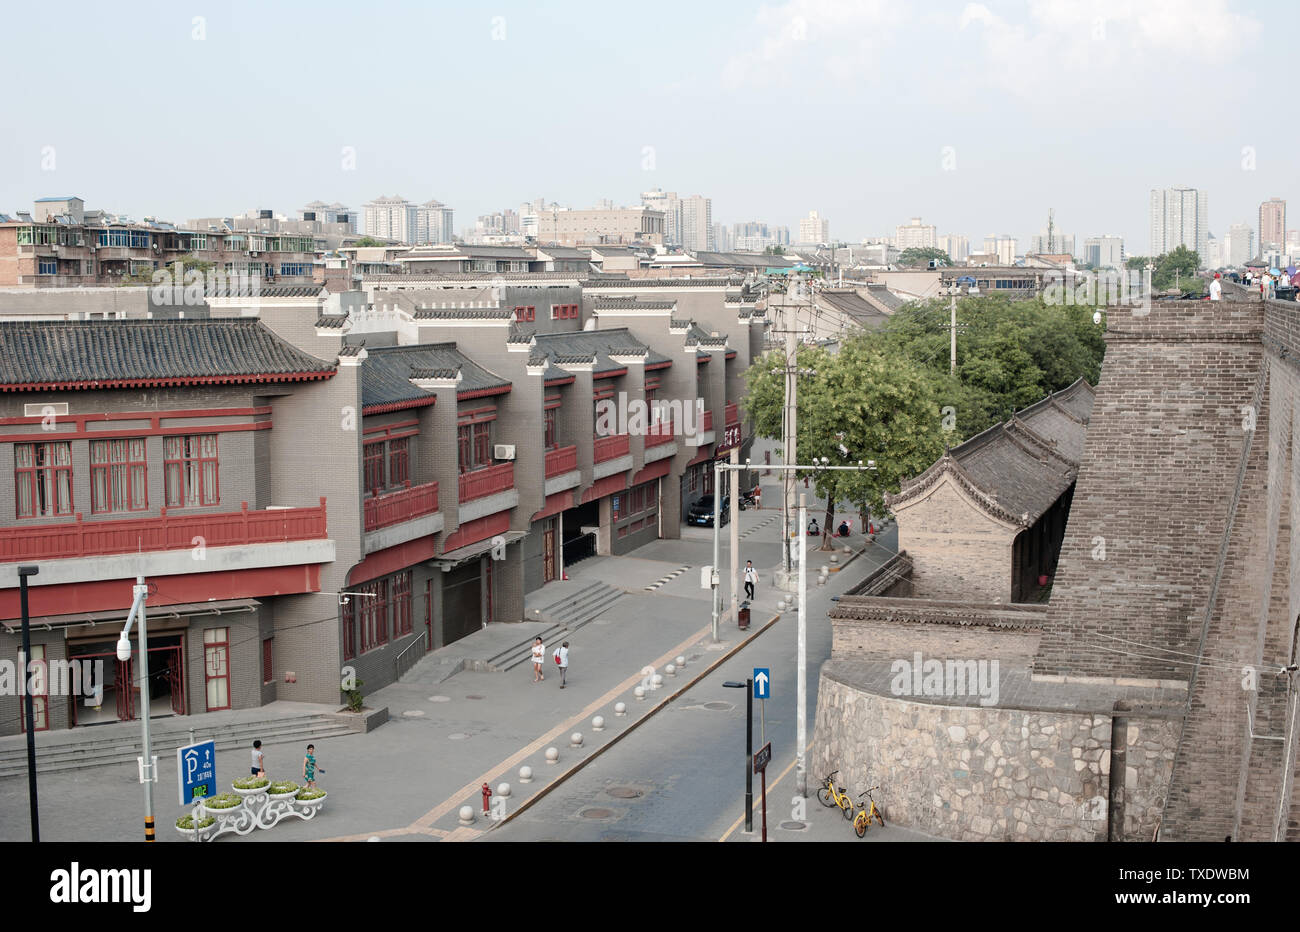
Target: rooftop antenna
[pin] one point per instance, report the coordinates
(1051, 231)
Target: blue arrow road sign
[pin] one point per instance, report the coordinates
(196, 771)
(762, 683)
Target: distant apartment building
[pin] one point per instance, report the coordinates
(697, 223)
(1239, 247)
(321, 212)
(1272, 221)
(561, 226)
(329, 227)
(502, 222)
(1057, 244)
(722, 238)
(433, 223)
(671, 206)
(1104, 252)
(1179, 217)
(755, 236)
(1213, 258)
(390, 218)
(1003, 246)
(916, 235)
(956, 246)
(814, 229)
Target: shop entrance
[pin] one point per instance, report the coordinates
(124, 696)
(462, 601)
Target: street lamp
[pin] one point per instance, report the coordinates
(148, 764)
(748, 686)
(23, 573)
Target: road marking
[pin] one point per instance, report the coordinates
(663, 581)
(735, 825)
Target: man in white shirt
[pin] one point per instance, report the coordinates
(751, 577)
(1216, 289)
(562, 659)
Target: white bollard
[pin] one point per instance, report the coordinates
(525, 774)
(639, 692)
(671, 670)
(620, 708)
(598, 723)
(552, 755)
(575, 740)
(656, 681)
(466, 815)
(503, 789)
(681, 662)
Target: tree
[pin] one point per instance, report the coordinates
(774, 250)
(918, 255)
(368, 241)
(1173, 267)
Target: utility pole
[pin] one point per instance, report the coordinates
(29, 709)
(716, 576)
(801, 768)
(952, 362)
(735, 532)
(791, 454)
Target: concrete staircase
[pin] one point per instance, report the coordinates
(564, 617)
(119, 743)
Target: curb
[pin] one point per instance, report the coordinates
(650, 713)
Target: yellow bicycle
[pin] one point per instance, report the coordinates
(866, 811)
(830, 796)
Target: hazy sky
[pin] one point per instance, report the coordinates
(977, 117)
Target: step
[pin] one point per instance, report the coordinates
(89, 737)
(583, 606)
(566, 603)
(593, 611)
(522, 654)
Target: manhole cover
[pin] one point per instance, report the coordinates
(473, 697)
(413, 713)
(458, 736)
(793, 826)
(440, 698)
(623, 792)
(596, 813)
(718, 706)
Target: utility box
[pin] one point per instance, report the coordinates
(742, 616)
(707, 577)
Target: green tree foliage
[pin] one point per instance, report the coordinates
(776, 249)
(921, 256)
(368, 241)
(1174, 269)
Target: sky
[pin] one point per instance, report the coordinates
(977, 117)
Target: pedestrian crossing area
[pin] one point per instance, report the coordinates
(659, 583)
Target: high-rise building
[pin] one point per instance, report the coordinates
(433, 223)
(722, 238)
(671, 205)
(1179, 217)
(329, 213)
(956, 246)
(1003, 246)
(916, 234)
(755, 236)
(814, 228)
(390, 218)
(1272, 221)
(1213, 258)
(1061, 244)
(1104, 252)
(1239, 247)
(697, 223)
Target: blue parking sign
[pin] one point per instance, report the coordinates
(196, 771)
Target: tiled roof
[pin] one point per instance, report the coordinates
(265, 291)
(331, 321)
(742, 260)
(586, 345)
(387, 372)
(1018, 469)
(465, 313)
(118, 353)
(631, 303)
(884, 296)
(853, 305)
(705, 281)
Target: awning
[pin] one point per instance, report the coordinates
(454, 557)
(118, 615)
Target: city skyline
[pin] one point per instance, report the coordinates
(957, 170)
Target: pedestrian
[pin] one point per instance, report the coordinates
(1216, 288)
(751, 577)
(562, 661)
(259, 760)
(309, 767)
(539, 654)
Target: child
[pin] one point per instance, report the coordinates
(309, 767)
(259, 760)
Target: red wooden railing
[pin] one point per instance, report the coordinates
(733, 413)
(165, 532)
(659, 433)
(611, 448)
(706, 422)
(396, 507)
(561, 460)
(487, 481)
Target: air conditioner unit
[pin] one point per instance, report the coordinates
(503, 451)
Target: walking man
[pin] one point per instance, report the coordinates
(259, 760)
(539, 654)
(562, 659)
(751, 577)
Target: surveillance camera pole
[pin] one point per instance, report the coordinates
(148, 770)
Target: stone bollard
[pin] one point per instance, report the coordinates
(639, 692)
(575, 740)
(552, 755)
(503, 789)
(671, 670)
(620, 708)
(373, 838)
(466, 815)
(681, 662)
(598, 723)
(525, 774)
(656, 681)
(834, 558)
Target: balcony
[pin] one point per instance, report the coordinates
(704, 432)
(165, 532)
(403, 505)
(706, 422)
(489, 481)
(659, 434)
(733, 413)
(609, 448)
(561, 460)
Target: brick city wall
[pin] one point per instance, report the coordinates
(957, 550)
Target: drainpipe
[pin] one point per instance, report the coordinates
(1118, 771)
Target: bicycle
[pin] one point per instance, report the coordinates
(862, 819)
(830, 796)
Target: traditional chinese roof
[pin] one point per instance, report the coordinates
(387, 373)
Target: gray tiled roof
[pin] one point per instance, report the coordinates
(105, 353)
(587, 345)
(621, 303)
(332, 321)
(709, 281)
(886, 297)
(853, 305)
(387, 372)
(465, 313)
(265, 291)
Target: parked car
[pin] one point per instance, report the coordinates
(701, 512)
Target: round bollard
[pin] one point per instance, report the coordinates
(552, 755)
(525, 774)
(373, 838)
(834, 558)
(671, 669)
(639, 692)
(681, 662)
(575, 740)
(598, 723)
(466, 815)
(656, 681)
(620, 708)
(503, 789)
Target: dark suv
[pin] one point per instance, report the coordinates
(701, 512)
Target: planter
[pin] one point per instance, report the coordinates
(310, 802)
(253, 792)
(224, 813)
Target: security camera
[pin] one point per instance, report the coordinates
(123, 649)
(1096, 317)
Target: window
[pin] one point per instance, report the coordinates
(475, 442)
(694, 475)
(398, 462)
(190, 471)
(525, 313)
(295, 268)
(373, 611)
(402, 604)
(373, 462)
(349, 631)
(551, 443)
(216, 668)
(268, 663)
(119, 478)
(47, 266)
(564, 311)
(43, 479)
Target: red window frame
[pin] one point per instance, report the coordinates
(187, 480)
(212, 651)
(402, 604)
(474, 443)
(349, 631)
(525, 312)
(399, 461)
(374, 614)
(564, 311)
(268, 661)
(372, 460)
(44, 476)
(549, 415)
(121, 474)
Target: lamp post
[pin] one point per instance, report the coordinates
(30, 713)
(148, 766)
(748, 686)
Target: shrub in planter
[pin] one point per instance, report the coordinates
(187, 822)
(306, 794)
(222, 801)
(251, 783)
(354, 696)
(282, 787)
